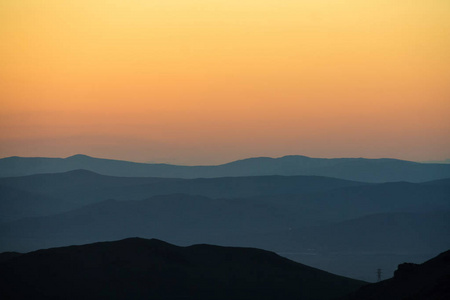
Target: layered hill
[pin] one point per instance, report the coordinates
(430, 280)
(284, 225)
(358, 169)
(86, 184)
(69, 190)
(309, 196)
(151, 269)
(17, 203)
(187, 219)
(369, 225)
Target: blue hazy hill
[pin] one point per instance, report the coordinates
(358, 169)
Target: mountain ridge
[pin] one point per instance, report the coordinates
(359, 169)
(84, 187)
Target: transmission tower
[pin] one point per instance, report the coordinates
(379, 274)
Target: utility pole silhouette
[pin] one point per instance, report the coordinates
(379, 274)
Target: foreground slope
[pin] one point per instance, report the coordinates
(359, 169)
(151, 269)
(430, 280)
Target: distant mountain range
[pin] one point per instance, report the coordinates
(370, 213)
(445, 161)
(357, 169)
(306, 196)
(264, 223)
(86, 184)
(427, 281)
(29, 195)
(151, 269)
(288, 214)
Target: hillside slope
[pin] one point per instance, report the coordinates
(430, 280)
(151, 269)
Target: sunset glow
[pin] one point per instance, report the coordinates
(210, 81)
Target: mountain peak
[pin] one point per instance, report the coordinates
(295, 157)
(79, 156)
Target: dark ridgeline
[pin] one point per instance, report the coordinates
(4, 256)
(358, 169)
(136, 268)
(427, 281)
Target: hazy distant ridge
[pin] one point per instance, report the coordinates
(277, 224)
(360, 169)
(44, 194)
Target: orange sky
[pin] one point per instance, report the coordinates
(210, 81)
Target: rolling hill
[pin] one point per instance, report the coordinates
(86, 184)
(45, 194)
(333, 199)
(151, 269)
(358, 169)
(186, 219)
(376, 240)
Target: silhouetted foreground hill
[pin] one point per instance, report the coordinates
(358, 169)
(151, 269)
(427, 281)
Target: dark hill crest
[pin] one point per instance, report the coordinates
(137, 268)
(430, 280)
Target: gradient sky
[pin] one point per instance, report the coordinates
(210, 81)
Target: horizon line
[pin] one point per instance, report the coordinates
(444, 161)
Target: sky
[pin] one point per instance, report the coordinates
(211, 81)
